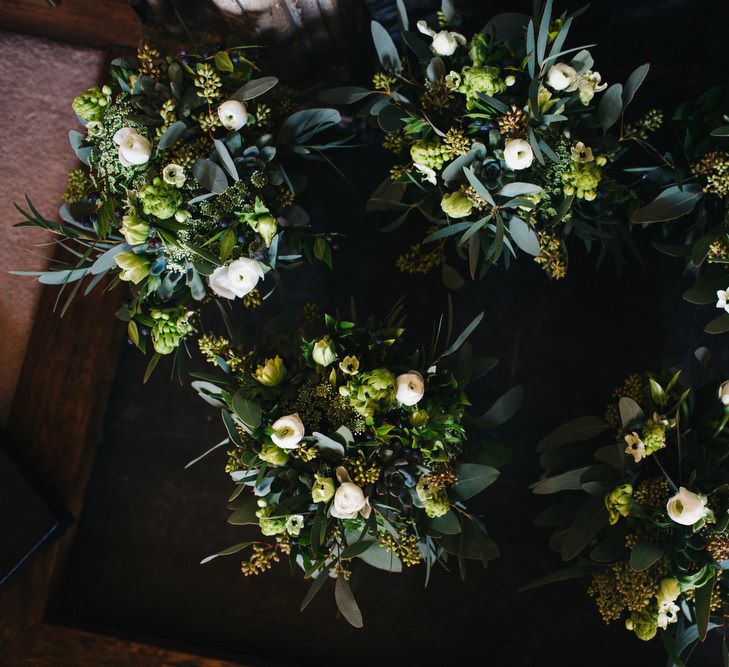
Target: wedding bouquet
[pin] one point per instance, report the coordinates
(647, 517)
(694, 183)
(509, 139)
(184, 193)
(345, 450)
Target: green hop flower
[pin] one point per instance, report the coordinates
(273, 455)
(653, 437)
(431, 154)
(370, 392)
(419, 418)
(134, 229)
(134, 268)
(323, 489)
(160, 199)
(643, 623)
(91, 105)
(270, 525)
(475, 80)
(582, 178)
(456, 204)
(433, 496)
(169, 328)
(271, 373)
(618, 502)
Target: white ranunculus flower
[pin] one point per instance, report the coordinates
(349, 499)
(134, 149)
(561, 76)
(288, 431)
(518, 154)
(724, 392)
(237, 279)
(232, 114)
(410, 388)
(686, 507)
(445, 42)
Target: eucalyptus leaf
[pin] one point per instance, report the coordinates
(210, 176)
(386, 50)
(672, 203)
(346, 603)
(472, 479)
(503, 409)
(591, 518)
(644, 554)
(171, 135)
(254, 88)
(246, 410)
(582, 428)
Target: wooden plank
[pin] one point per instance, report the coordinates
(54, 427)
(86, 22)
(49, 645)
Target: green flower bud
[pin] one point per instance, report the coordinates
(456, 205)
(271, 373)
(431, 154)
(323, 489)
(433, 496)
(643, 624)
(475, 80)
(653, 437)
(370, 392)
(91, 105)
(169, 328)
(270, 526)
(618, 502)
(419, 418)
(323, 352)
(261, 221)
(273, 455)
(582, 179)
(134, 229)
(134, 268)
(160, 199)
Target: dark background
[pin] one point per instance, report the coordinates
(147, 522)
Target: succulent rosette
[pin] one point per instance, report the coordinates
(508, 140)
(345, 452)
(644, 505)
(184, 191)
(692, 204)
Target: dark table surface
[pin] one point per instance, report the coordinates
(147, 522)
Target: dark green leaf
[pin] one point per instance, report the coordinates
(633, 83)
(246, 410)
(591, 518)
(503, 409)
(644, 554)
(386, 49)
(210, 176)
(226, 552)
(671, 204)
(254, 88)
(582, 428)
(356, 549)
(472, 479)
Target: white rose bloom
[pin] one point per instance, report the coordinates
(724, 392)
(410, 388)
(686, 507)
(561, 76)
(445, 42)
(288, 431)
(134, 149)
(518, 154)
(237, 279)
(232, 114)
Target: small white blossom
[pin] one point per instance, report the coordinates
(635, 447)
(722, 299)
(445, 42)
(426, 172)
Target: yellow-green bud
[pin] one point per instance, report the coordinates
(266, 226)
(271, 373)
(456, 205)
(134, 229)
(618, 502)
(273, 455)
(323, 352)
(434, 498)
(270, 526)
(323, 489)
(419, 418)
(134, 268)
(668, 590)
(643, 624)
